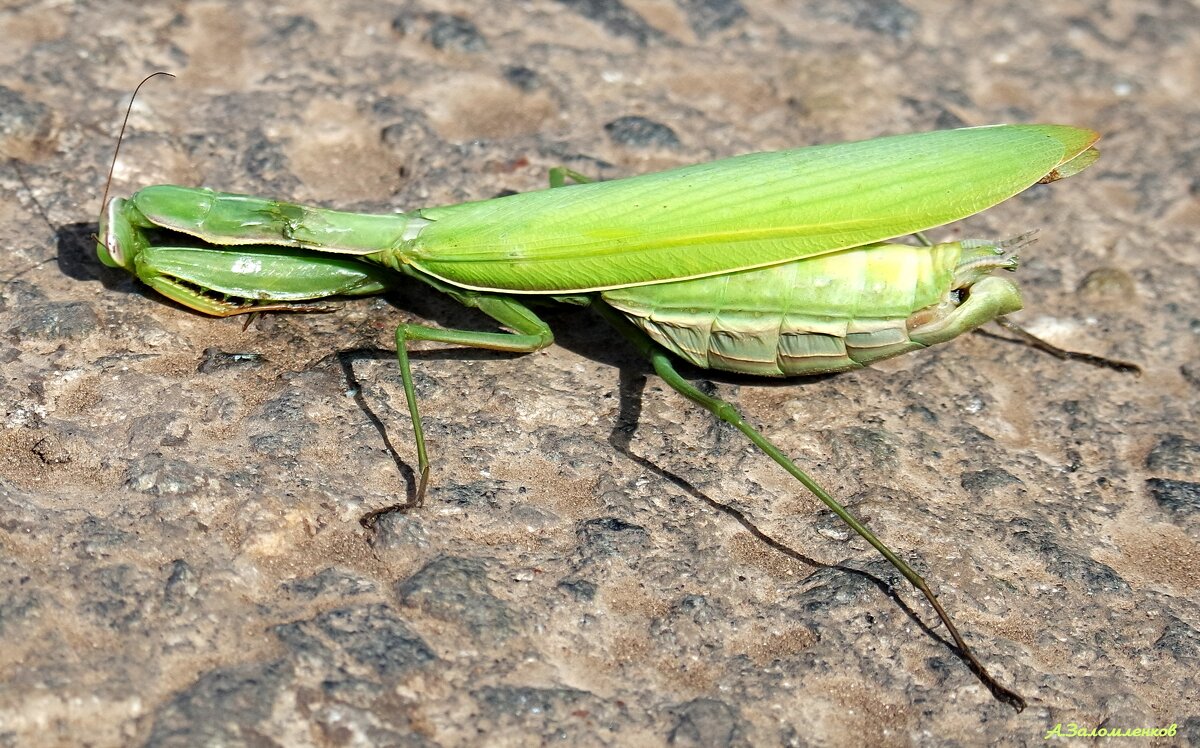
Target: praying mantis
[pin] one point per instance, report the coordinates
(772, 264)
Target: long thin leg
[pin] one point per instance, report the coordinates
(1066, 355)
(529, 334)
(726, 412)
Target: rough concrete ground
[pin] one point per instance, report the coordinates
(181, 560)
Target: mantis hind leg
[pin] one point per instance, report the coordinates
(726, 412)
(1064, 354)
(529, 334)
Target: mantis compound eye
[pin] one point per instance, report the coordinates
(109, 248)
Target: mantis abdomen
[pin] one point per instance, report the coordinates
(833, 312)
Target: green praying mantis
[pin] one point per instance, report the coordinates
(773, 264)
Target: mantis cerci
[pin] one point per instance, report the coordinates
(773, 264)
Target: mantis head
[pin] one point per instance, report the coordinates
(117, 244)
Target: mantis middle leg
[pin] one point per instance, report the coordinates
(529, 334)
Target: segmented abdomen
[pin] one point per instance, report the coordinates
(821, 314)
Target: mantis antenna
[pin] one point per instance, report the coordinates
(121, 135)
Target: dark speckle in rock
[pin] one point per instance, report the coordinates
(215, 359)
(616, 18)
(373, 636)
(1180, 498)
(640, 132)
(331, 581)
(26, 126)
(711, 16)
(1176, 455)
(609, 536)
(162, 476)
(55, 320)
(707, 722)
(220, 706)
(886, 17)
(579, 589)
(457, 590)
(522, 77)
(982, 481)
(454, 32)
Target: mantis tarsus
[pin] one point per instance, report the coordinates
(774, 264)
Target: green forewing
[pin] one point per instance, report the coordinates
(739, 213)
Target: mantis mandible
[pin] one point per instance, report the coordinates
(773, 264)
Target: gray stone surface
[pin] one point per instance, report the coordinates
(181, 557)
